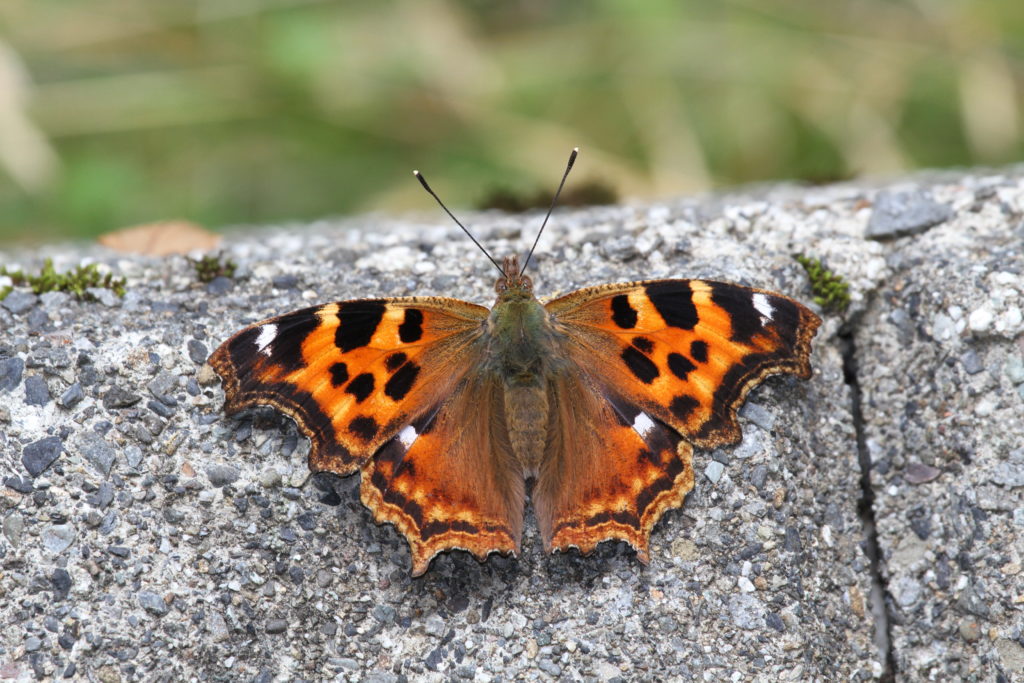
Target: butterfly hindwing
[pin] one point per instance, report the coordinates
(686, 352)
(610, 470)
(353, 373)
(449, 480)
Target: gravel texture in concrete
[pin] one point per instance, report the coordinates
(147, 536)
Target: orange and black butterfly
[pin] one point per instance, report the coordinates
(447, 408)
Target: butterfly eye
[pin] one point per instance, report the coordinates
(500, 285)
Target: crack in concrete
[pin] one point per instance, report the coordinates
(880, 597)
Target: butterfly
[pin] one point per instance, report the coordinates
(448, 409)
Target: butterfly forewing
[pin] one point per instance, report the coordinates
(686, 352)
(352, 373)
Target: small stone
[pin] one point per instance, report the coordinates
(907, 591)
(133, 455)
(286, 281)
(758, 476)
(759, 415)
(919, 473)
(714, 471)
(943, 327)
(71, 396)
(971, 362)
(972, 602)
(13, 527)
(221, 475)
(10, 372)
(270, 479)
(32, 644)
(969, 629)
(980, 320)
(277, 626)
(550, 668)
(896, 214)
(162, 386)
(19, 301)
(60, 579)
(1014, 369)
(36, 391)
(105, 296)
(39, 455)
(220, 285)
(383, 613)
(153, 603)
(95, 449)
(1008, 474)
(117, 397)
(434, 626)
(58, 538)
(19, 484)
(745, 585)
(984, 407)
(747, 611)
(197, 351)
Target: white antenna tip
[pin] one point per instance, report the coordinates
(415, 172)
(576, 149)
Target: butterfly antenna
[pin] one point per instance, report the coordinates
(423, 182)
(554, 200)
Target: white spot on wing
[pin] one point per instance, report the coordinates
(267, 335)
(643, 424)
(763, 306)
(407, 436)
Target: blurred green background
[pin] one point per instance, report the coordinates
(115, 113)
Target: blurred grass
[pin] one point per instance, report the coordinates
(115, 113)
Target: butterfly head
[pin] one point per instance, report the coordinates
(512, 281)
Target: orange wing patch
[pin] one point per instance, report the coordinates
(350, 374)
(447, 481)
(686, 351)
(612, 476)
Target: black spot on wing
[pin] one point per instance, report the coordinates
(411, 329)
(738, 302)
(360, 387)
(644, 344)
(242, 348)
(673, 300)
(364, 427)
(401, 382)
(292, 330)
(623, 314)
(394, 361)
(680, 365)
(640, 365)
(699, 351)
(339, 374)
(683, 406)
(785, 320)
(357, 321)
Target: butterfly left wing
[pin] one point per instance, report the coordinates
(394, 379)
(654, 360)
(351, 374)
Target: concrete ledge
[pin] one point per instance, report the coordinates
(145, 535)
